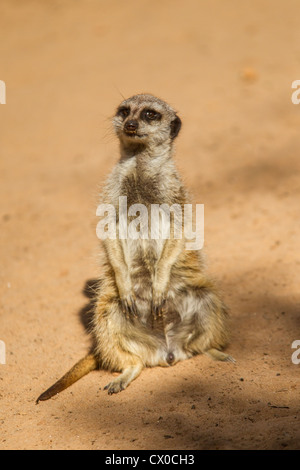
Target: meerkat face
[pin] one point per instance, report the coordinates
(145, 119)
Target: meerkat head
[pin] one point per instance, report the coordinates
(145, 120)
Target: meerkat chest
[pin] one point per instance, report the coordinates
(145, 190)
(142, 252)
(147, 226)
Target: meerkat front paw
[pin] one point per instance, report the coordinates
(126, 296)
(157, 304)
(128, 305)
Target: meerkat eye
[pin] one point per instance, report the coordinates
(151, 115)
(123, 112)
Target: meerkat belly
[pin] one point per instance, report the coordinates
(141, 257)
(168, 338)
(161, 341)
(157, 343)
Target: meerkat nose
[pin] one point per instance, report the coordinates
(170, 358)
(131, 125)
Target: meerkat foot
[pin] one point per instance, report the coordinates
(124, 379)
(217, 355)
(115, 386)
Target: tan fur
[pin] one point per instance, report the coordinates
(83, 367)
(155, 305)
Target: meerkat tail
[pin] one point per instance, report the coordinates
(79, 370)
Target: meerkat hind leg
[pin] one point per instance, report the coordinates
(212, 315)
(124, 379)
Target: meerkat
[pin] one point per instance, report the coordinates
(155, 305)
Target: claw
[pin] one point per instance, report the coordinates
(153, 310)
(231, 359)
(115, 387)
(157, 308)
(128, 307)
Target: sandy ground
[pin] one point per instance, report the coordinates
(227, 67)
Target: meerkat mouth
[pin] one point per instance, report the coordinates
(134, 134)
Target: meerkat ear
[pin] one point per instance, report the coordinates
(175, 127)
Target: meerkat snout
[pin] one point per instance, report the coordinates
(131, 126)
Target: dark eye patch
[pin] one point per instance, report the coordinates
(124, 111)
(150, 115)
